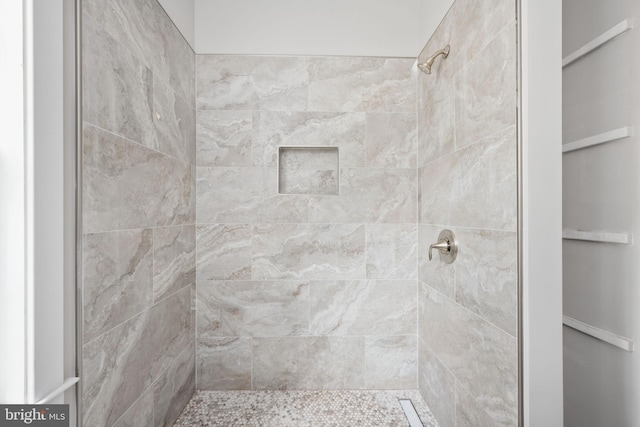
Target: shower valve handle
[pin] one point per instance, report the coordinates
(447, 246)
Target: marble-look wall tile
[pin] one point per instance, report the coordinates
(437, 386)
(343, 130)
(369, 195)
(120, 364)
(486, 91)
(266, 309)
(145, 30)
(483, 359)
(486, 276)
(231, 82)
(140, 414)
(117, 87)
(308, 170)
(128, 186)
(392, 140)
(437, 123)
(361, 84)
(174, 389)
(245, 195)
(224, 363)
(224, 138)
(468, 27)
(308, 251)
(224, 252)
(391, 251)
(117, 278)
(435, 273)
(469, 413)
(308, 363)
(174, 262)
(363, 307)
(175, 121)
(473, 187)
(391, 362)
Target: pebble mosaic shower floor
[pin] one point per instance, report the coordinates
(302, 408)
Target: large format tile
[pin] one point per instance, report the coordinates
(437, 386)
(224, 363)
(435, 273)
(486, 276)
(392, 140)
(267, 309)
(245, 195)
(436, 121)
(343, 130)
(174, 389)
(369, 195)
(224, 252)
(120, 364)
(486, 91)
(469, 413)
(308, 251)
(174, 262)
(224, 138)
(140, 414)
(128, 186)
(361, 84)
(391, 362)
(117, 278)
(117, 87)
(363, 307)
(230, 82)
(308, 363)
(473, 187)
(175, 122)
(392, 251)
(145, 30)
(482, 358)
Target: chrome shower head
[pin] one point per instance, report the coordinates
(425, 67)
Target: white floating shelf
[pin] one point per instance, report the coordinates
(598, 236)
(602, 138)
(606, 336)
(603, 38)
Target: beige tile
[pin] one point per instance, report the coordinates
(140, 414)
(174, 259)
(391, 362)
(174, 123)
(363, 307)
(308, 251)
(435, 273)
(232, 82)
(392, 140)
(224, 138)
(437, 386)
(174, 388)
(308, 363)
(117, 278)
(369, 195)
(436, 121)
(471, 414)
(392, 251)
(267, 309)
(224, 252)
(308, 170)
(245, 195)
(224, 363)
(361, 84)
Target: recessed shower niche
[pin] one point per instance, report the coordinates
(308, 170)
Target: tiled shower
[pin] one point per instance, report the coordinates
(261, 222)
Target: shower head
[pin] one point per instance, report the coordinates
(425, 67)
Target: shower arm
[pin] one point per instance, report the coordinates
(425, 67)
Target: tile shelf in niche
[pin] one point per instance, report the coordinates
(308, 170)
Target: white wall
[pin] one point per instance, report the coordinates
(308, 27)
(182, 13)
(430, 14)
(542, 211)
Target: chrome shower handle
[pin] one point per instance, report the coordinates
(447, 246)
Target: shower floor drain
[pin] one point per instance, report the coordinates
(411, 413)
